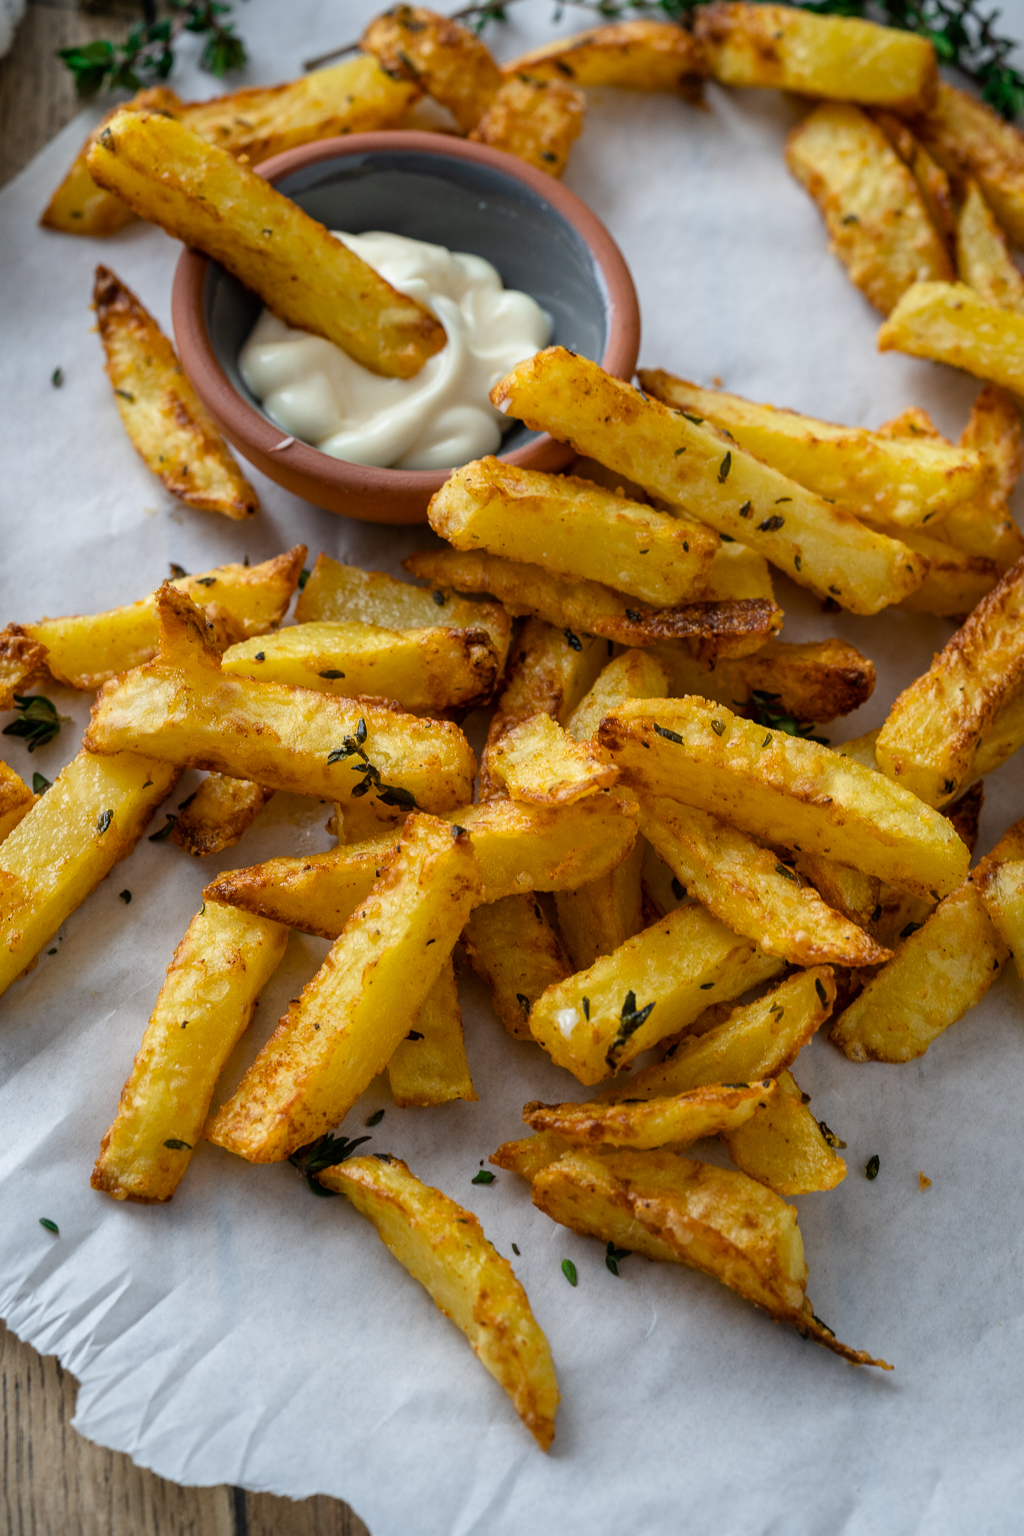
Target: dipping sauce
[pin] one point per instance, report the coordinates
(439, 419)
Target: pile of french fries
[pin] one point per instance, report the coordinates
(654, 852)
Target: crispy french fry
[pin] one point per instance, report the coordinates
(848, 891)
(751, 890)
(903, 480)
(442, 1245)
(1002, 890)
(85, 650)
(819, 680)
(956, 582)
(205, 1006)
(16, 800)
(92, 815)
(173, 432)
(423, 669)
(79, 206)
(641, 55)
(531, 1154)
(539, 763)
(597, 917)
(877, 221)
(932, 180)
(950, 323)
(931, 738)
(984, 525)
(692, 465)
(833, 56)
(515, 951)
(970, 139)
(598, 1021)
(783, 1147)
(21, 658)
(983, 259)
(219, 812)
(429, 1066)
(281, 737)
(668, 1207)
(574, 529)
(938, 973)
(200, 195)
(446, 60)
(633, 675)
(332, 1042)
(655, 1122)
(784, 790)
(537, 120)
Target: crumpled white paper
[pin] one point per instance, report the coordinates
(248, 1333)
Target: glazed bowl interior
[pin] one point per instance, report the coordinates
(458, 203)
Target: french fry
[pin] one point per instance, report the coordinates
(537, 762)
(692, 465)
(785, 790)
(79, 206)
(756, 1040)
(782, 1145)
(748, 888)
(934, 729)
(205, 1006)
(167, 423)
(848, 891)
(970, 139)
(956, 582)
(877, 221)
(92, 815)
(85, 650)
(672, 1208)
(932, 181)
(598, 1021)
(537, 120)
(199, 194)
(429, 1066)
(641, 55)
(1002, 890)
(425, 670)
(596, 918)
(984, 525)
(950, 323)
(351, 1016)
(520, 849)
(282, 738)
(656, 1122)
(633, 675)
(218, 814)
(22, 657)
(573, 529)
(531, 1154)
(906, 481)
(442, 1245)
(818, 680)
(983, 259)
(442, 58)
(517, 954)
(833, 56)
(16, 800)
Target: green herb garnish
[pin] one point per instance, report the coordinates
(57, 378)
(40, 784)
(147, 56)
(482, 1176)
(51, 1226)
(831, 1137)
(38, 720)
(614, 1256)
(165, 830)
(724, 468)
(376, 1117)
(569, 1271)
(662, 730)
(630, 1020)
(326, 1152)
(872, 1166)
(178, 1146)
(764, 709)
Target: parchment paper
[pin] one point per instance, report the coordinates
(248, 1333)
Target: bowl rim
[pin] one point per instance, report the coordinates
(247, 426)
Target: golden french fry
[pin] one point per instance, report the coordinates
(655, 1122)
(539, 763)
(85, 650)
(633, 675)
(91, 816)
(970, 139)
(672, 1208)
(537, 120)
(877, 221)
(932, 180)
(429, 1066)
(199, 194)
(531, 1155)
(905, 481)
(517, 954)
(833, 56)
(692, 465)
(984, 525)
(784, 1147)
(785, 790)
(16, 800)
(219, 812)
(641, 55)
(845, 890)
(950, 323)
(751, 890)
(335, 1039)
(281, 737)
(983, 259)
(934, 730)
(598, 1021)
(22, 656)
(1002, 891)
(79, 206)
(956, 582)
(596, 918)
(442, 1245)
(818, 680)
(166, 422)
(205, 1006)
(574, 529)
(442, 58)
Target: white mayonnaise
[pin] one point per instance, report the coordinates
(438, 419)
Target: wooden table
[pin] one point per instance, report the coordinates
(52, 1482)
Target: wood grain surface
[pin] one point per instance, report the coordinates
(52, 1481)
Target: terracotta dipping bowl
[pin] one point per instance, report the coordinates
(430, 186)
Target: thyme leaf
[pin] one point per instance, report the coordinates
(147, 56)
(38, 721)
(326, 1152)
(764, 708)
(630, 1020)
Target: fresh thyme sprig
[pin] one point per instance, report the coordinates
(147, 56)
(764, 708)
(38, 720)
(324, 1153)
(387, 794)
